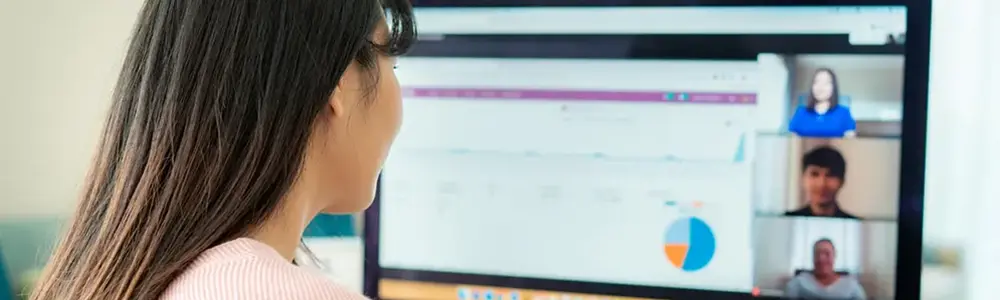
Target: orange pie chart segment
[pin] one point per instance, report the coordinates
(676, 253)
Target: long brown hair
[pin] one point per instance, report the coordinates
(210, 120)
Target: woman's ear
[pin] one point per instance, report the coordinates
(347, 92)
(337, 102)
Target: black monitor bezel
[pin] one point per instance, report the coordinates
(912, 168)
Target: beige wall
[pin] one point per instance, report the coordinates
(59, 64)
(872, 189)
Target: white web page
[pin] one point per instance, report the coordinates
(571, 169)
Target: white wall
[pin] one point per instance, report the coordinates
(59, 63)
(773, 93)
(771, 169)
(962, 169)
(879, 260)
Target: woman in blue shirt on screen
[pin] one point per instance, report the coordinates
(822, 115)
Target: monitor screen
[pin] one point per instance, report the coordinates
(639, 153)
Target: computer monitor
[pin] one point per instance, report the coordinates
(695, 152)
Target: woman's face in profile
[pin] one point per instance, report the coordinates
(823, 257)
(822, 86)
(356, 139)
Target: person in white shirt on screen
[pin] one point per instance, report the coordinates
(824, 282)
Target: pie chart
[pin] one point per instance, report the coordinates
(689, 244)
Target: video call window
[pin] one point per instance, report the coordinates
(844, 178)
(844, 96)
(824, 258)
(613, 160)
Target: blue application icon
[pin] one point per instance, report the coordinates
(515, 295)
(683, 97)
(463, 294)
(475, 295)
(668, 96)
(488, 295)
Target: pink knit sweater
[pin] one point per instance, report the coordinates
(245, 269)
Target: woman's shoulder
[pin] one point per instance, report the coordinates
(242, 270)
(253, 279)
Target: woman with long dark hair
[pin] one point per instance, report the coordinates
(823, 115)
(234, 123)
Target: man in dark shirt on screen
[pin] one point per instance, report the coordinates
(823, 171)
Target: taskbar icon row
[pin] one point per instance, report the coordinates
(471, 293)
